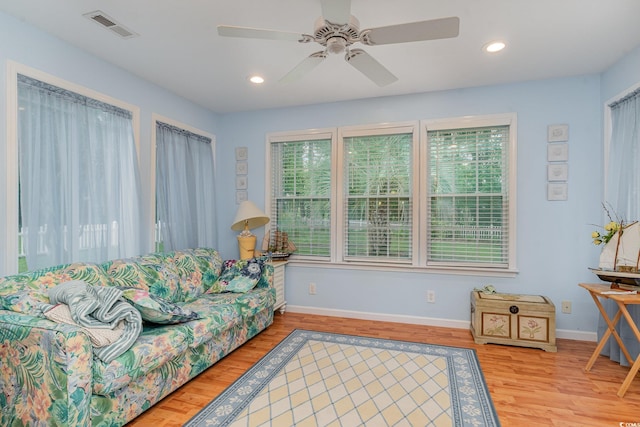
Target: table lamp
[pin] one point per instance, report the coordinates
(249, 216)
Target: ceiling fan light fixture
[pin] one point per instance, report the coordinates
(256, 79)
(336, 45)
(494, 46)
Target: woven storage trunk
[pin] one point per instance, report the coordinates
(522, 320)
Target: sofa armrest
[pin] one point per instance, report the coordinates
(45, 372)
(266, 279)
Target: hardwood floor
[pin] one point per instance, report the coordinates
(528, 386)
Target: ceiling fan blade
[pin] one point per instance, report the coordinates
(371, 68)
(336, 11)
(257, 33)
(308, 64)
(434, 29)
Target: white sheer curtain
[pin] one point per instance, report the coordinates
(623, 193)
(185, 188)
(79, 181)
(623, 178)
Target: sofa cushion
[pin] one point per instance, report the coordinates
(215, 318)
(150, 272)
(239, 275)
(246, 304)
(154, 309)
(156, 345)
(27, 292)
(198, 269)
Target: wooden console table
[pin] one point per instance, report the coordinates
(598, 291)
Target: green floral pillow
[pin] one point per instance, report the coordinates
(154, 309)
(239, 275)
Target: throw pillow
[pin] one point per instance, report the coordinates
(154, 309)
(239, 275)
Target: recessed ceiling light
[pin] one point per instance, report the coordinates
(256, 79)
(494, 46)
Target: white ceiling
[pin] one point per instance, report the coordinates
(179, 48)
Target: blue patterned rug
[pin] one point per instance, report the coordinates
(322, 379)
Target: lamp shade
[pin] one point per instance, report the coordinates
(249, 215)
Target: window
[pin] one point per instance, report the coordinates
(468, 197)
(378, 193)
(301, 189)
(185, 188)
(435, 194)
(622, 151)
(78, 183)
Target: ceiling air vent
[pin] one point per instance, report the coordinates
(110, 24)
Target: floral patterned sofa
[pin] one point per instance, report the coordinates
(49, 375)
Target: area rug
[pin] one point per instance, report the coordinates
(323, 379)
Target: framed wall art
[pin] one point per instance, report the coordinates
(558, 152)
(557, 172)
(241, 182)
(557, 133)
(242, 168)
(241, 196)
(242, 153)
(557, 191)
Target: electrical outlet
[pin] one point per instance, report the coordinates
(566, 307)
(312, 288)
(431, 296)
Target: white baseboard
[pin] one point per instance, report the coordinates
(576, 335)
(398, 318)
(419, 320)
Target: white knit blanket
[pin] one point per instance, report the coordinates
(100, 337)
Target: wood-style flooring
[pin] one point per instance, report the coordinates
(529, 387)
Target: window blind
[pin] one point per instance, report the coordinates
(468, 200)
(378, 197)
(301, 195)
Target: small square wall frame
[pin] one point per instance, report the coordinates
(558, 152)
(557, 191)
(557, 172)
(557, 133)
(241, 196)
(242, 153)
(242, 168)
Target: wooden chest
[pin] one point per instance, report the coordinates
(522, 320)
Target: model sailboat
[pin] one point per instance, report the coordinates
(278, 245)
(620, 258)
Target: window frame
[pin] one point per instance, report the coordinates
(467, 122)
(155, 118)
(608, 135)
(377, 130)
(293, 136)
(418, 261)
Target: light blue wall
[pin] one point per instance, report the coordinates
(553, 238)
(23, 44)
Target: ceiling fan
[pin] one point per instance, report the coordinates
(337, 30)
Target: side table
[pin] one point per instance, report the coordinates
(278, 284)
(598, 291)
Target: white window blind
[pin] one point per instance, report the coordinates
(468, 197)
(301, 194)
(435, 194)
(378, 197)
